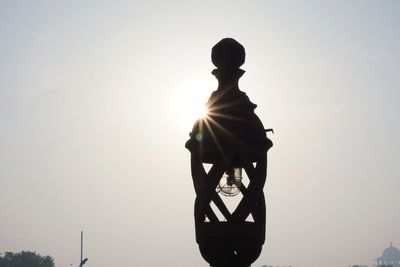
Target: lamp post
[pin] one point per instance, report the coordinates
(232, 139)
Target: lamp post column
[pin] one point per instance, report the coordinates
(232, 139)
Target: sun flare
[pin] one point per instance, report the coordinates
(201, 111)
(192, 104)
(194, 107)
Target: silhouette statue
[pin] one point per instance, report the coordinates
(231, 138)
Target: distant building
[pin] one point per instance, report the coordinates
(390, 256)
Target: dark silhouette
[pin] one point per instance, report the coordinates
(25, 259)
(83, 262)
(231, 138)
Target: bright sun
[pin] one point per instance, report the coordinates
(200, 111)
(192, 104)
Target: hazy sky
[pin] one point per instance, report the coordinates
(93, 122)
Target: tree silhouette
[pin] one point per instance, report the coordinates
(25, 259)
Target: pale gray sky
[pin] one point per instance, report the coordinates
(93, 126)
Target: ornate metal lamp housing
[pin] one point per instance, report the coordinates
(233, 140)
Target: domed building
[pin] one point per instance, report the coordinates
(390, 256)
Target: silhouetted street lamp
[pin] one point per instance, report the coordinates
(232, 139)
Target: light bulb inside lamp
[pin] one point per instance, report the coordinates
(230, 183)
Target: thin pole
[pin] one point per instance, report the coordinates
(83, 261)
(81, 245)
